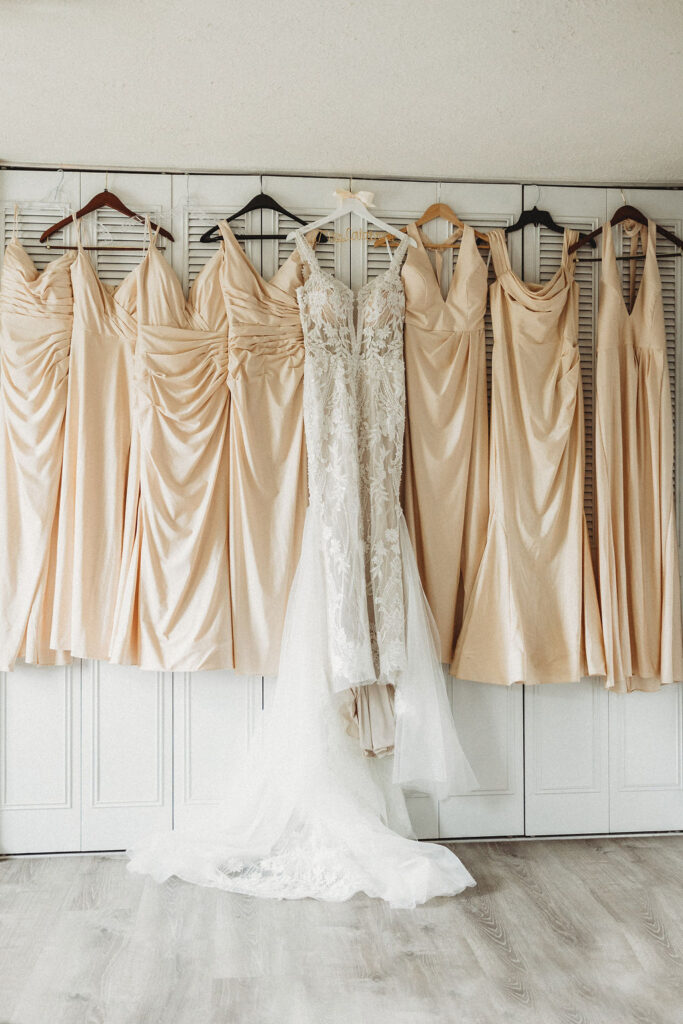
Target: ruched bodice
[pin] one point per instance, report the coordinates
(267, 451)
(173, 609)
(36, 317)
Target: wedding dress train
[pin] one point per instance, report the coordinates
(311, 816)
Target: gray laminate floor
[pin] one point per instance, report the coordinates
(576, 931)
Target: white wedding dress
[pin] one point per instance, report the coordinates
(311, 816)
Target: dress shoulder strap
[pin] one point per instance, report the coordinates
(571, 235)
(306, 250)
(397, 258)
(499, 251)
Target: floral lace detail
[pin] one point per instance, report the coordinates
(354, 413)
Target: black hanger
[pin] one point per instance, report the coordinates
(539, 217)
(262, 201)
(627, 213)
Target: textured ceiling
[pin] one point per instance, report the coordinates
(543, 90)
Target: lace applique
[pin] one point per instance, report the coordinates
(354, 411)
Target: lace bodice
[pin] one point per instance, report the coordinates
(354, 412)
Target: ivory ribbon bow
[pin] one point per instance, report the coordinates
(365, 197)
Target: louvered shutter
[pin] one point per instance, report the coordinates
(198, 254)
(324, 250)
(549, 257)
(113, 229)
(33, 219)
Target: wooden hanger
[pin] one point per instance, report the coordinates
(626, 212)
(431, 213)
(112, 201)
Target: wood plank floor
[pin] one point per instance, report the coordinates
(571, 931)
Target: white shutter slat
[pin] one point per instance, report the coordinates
(198, 254)
(115, 229)
(323, 250)
(33, 219)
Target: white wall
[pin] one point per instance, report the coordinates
(552, 90)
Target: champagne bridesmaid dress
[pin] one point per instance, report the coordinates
(533, 614)
(268, 486)
(35, 337)
(173, 607)
(96, 457)
(637, 546)
(445, 481)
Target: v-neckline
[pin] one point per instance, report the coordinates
(458, 233)
(364, 288)
(461, 233)
(615, 269)
(262, 281)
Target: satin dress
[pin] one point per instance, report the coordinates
(268, 485)
(533, 614)
(639, 573)
(97, 449)
(35, 337)
(445, 480)
(173, 605)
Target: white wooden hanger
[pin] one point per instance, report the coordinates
(358, 203)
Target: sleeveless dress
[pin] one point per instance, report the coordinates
(445, 485)
(96, 457)
(35, 337)
(639, 573)
(173, 605)
(310, 816)
(268, 491)
(533, 614)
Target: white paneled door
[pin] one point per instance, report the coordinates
(92, 755)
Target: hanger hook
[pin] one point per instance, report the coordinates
(623, 197)
(106, 181)
(538, 195)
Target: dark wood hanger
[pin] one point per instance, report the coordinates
(626, 213)
(261, 201)
(544, 219)
(112, 201)
(432, 212)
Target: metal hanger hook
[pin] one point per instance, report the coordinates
(623, 197)
(538, 195)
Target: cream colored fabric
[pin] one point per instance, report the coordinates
(173, 609)
(35, 335)
(634, 449)
(268, 485)
(96, 457)
(445, 482)
(533, 615)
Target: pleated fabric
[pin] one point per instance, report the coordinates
(96, 459)
(173, 607)
(533, 614)
(35, 337)
(639, 575)
(268, 482)
(445, 482)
